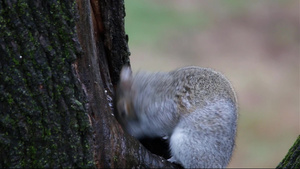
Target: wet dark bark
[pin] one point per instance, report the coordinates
(59, 65)
(292, 158)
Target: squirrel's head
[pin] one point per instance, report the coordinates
(124, 97)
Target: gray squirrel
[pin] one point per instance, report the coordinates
(194, 107)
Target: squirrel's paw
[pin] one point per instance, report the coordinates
(172, 160)
(165, 137)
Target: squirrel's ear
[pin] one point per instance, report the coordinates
(126, 74)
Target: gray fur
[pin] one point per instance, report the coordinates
(195, 107)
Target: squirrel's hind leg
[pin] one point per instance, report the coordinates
(193, 150)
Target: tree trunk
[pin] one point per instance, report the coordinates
(43, 116)
(292, 159)
(59, 65)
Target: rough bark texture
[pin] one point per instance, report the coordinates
(292, 159)
(43, 117)
(59, 63)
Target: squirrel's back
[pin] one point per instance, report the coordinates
(196, 87)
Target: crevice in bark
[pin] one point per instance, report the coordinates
(108, 51)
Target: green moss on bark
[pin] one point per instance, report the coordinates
(292, 159)
(43, 121)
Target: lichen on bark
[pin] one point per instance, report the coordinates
(43, 120)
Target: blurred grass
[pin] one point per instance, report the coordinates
(147, 21)
(255, 43)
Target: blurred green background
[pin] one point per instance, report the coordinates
(255, 43)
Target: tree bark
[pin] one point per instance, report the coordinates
(59, 64)
(43, 117)
(292, 159)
